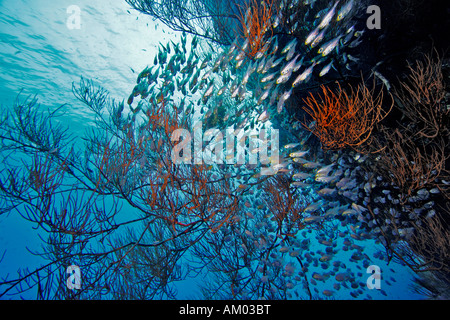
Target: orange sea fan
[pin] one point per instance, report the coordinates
(256, 24)
(345, 119)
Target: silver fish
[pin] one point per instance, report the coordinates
(277, 62)
(289, 46)
(242, 92)
(298, 154)
(239, 64)
(349, 34)
(235, 92)
(311, 165)
(325, 179)
(355, 43)
(326, 20)
(261, 66)
(324, 170)
(274, 49)
(290, 66)
(240, 56)
(232, 48)
(283, 98)
(207, 75)
(329, 46)
(290, 53)
(268, 77)
(303, 76)
(326, 191)
(274, 96)
(268, 85)
(263, 117)
(301, 176)
(209, 91)
(310, 38)
(264, 96)
(247, 74)
(313, 207)
(221, 90)
(268, 65)
(291, 145)
(318, 39)
(344, 10)
(284, 77)
(325, 69)
(298, 65)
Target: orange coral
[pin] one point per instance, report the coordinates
(345, 119)
(256, 23)
(140, 167)
(286, 207)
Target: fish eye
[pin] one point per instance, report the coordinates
(320, 50)
(339, 17)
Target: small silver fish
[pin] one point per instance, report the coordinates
(283, 78)
(311, 165)
(291, 44)
(268, 85)
(263, 117)
(318, 39)
(326, 191)
(274, 95)
(298, 65)
(329, 46)
(209, 91)
(303, 76)
(261, 52)
(290, 66)
(300, 184)
(291, 145)
(207, 75)
(290, 53)
(240, 56)
(268, 65)
(268, 77)
(242, 92)
(264, 96)
(277, 62)
(355, 43)
(325, 69)
(344, 10)
(247, 74)
(298, 154)
(261, 66)
(235, 92)
(313, 207)
(349, 34)
(299, 160)
(324, 170)
(326, 20)
(221, 90)
(232, 48)
(283, 98)
(301, 176)
(312, 36)
(324, 179)
(274, 49)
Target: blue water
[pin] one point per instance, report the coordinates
(40, 55)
